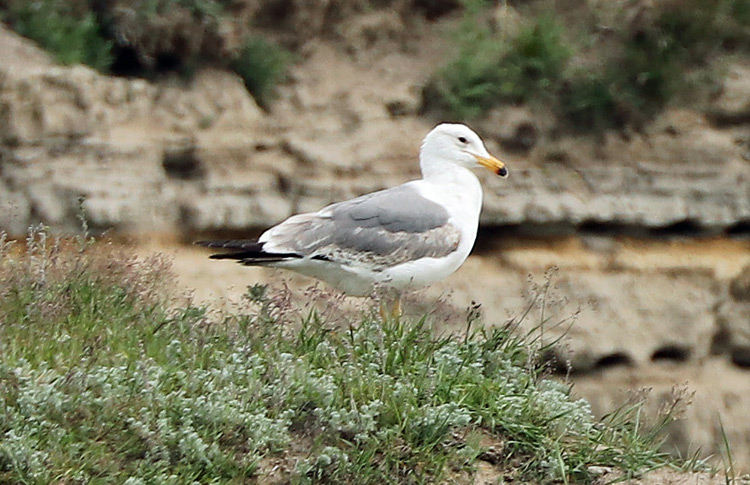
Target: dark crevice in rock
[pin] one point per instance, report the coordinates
(720, 342)
(680, 229)
(600, 228)
(182, 164)
(739, 229)
(741, 357)
(276, 13)
(615, 359)
(397, 108)
(727, 119)
(488, 234)
(284, 183)
(168, 62)
(674, 353)
(523, 139)
(126, 62)
(434, 9)
(556, 363)
(190, 236)
(686, 227)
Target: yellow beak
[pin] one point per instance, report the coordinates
(493, 165)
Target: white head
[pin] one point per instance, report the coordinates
(456, 144)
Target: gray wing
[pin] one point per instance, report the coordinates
(384, 228)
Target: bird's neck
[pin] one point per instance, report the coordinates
(451, 182)
(445, 172)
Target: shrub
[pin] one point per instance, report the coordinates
(535, 62)
(638, 68)
(262, 65)
(72, 38)
(588, 101)
(62, 300)
(650, 67)
(154, 36)
(490, 68)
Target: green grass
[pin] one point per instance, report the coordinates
(492, 68)
(262, 65)
(638, 68)
(76, 33)
(105, 377)
(206, 8)
(71, 37)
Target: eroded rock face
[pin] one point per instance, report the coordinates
(134, 152)
(601, 310)
(329, 138)
(734, 320)
(732, 106)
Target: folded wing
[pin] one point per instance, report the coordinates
(381, 229)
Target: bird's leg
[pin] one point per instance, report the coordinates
(383, 311)
(390, 306)
(396, 310)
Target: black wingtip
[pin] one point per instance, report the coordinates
(236, 244)
(245, 251)
(222, 256)
(225, 244)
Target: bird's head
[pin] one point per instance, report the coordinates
(458, 144)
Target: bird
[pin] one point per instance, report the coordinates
(401, 238)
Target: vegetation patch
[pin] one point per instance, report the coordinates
(147, 38)
(487, 71)
(106, 376)
(72, 36)
(597, 67)
(262, 65)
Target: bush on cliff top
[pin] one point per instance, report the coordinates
(73, 37)
(148, 37)
(591, 71)
(262, 66)
(487, 71)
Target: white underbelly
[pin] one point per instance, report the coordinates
(363, 281)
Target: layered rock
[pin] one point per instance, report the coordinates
(199, 155)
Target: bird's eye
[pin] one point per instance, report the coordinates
(463, 139)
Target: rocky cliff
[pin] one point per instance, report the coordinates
(183, 156)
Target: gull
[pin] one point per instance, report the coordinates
(401, 238)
